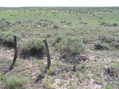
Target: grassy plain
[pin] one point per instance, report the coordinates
(97, 27)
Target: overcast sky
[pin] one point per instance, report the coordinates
(22, 3)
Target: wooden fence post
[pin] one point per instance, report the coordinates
(15, 53)
(48, 55)
(48, 62)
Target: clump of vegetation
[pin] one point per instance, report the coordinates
(107, 39)
(32, 47)
(2, 76)
(51, 71)
(59, 37)
(115, 24)
(109, 24)
(48, 83)
(78, 74)
(6, 38)
(106, 43)
(115, 45)
(43, 22)
(113, 71)
(109, 87)
(70, 48)
(41, 75)
(55, 27)
(102, 46)
(14, 82)
(4, 23)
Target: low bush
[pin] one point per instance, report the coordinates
(107, 39)
(2, 76)
(55, 27)
(70, 48)
(41, 75)
(14, 82)
(109, 24)
(115, 24)
(43, 23)
(48, 83)
(115, 45)
(109, 87)
(4, 23)
(106, 43)
(6, 38)
(101, 46)
(51, 71)
(58, 38)
(31, 47)
(113, 71)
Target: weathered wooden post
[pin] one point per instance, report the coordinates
(15, 53)
(40, 77)
(48, 55)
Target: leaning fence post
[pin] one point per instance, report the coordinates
(48, 61)
(15, 53)
(48, 55)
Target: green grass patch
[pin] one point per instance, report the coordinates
(13, 82)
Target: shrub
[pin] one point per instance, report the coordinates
(59, 37)
(71, 44)
(6, 38)
(2, 76)
(101, 46)
(14, 82)
(77, 74)
(115, 24)
(51, 71)
(32, 47)
(70, 48)
(55, 27)
(43, 22)
(107, 42)
(115, 45)
(109, 24)
(109, 87)
(113, 71)
(48, 83)
(41, 75)
(4, 23)
(107, 39)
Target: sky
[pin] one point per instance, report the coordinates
(58, 3)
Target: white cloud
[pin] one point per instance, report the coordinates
(21, 3)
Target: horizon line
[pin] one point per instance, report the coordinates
(56, 6)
